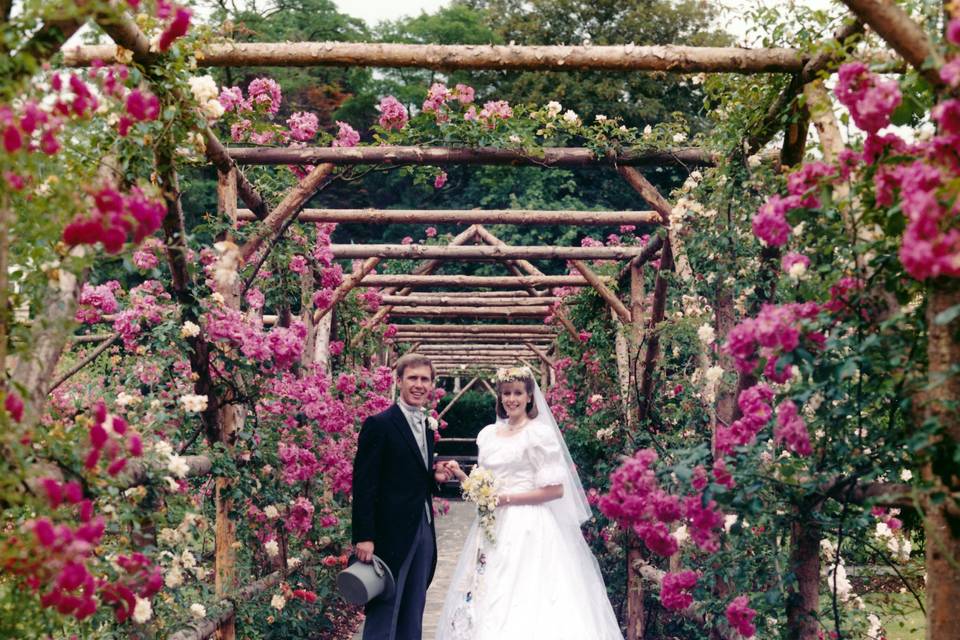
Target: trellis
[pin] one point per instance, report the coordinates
(525, 292)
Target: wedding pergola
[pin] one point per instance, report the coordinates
(515, 304)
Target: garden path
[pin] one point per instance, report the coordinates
(451, 532)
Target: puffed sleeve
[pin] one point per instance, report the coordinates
(545, 454)
(482, 438)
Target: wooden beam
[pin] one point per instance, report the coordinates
(902, 33)
(483, 252)
(647, 191)
(538, 329)
(422, 270)
(512, 293)
(489, 388)
(469, 312)
(442, 156)
(442, 301)
(491, 282)
(629, 57)
(348, 284)
(540, 354)
(472, 216)
(608, 296)
(289, 206)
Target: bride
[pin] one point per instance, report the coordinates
(539, 579)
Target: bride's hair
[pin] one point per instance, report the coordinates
(528, 386)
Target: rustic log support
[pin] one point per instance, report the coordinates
(470, 312)
(618, 308)
(93, 355)
(217, 155)
(422, 270)
(480, 252)
(442, 156)
(902, 33)
(471, 216)
(289, 206)
(443, 301)
(544, 358)
(478, 329)
(629, 57)
(491, 282)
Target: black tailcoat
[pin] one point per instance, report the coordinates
(391, 485)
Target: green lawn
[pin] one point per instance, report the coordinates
(902, 618)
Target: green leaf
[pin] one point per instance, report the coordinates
(947, 315)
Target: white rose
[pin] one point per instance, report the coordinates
(217, 297)
(189, 330)
(554, 107)
(168, 536)
(796, 271)
(188, 559)
(212, 109)
(124, 399)
(198, 610)
(906, 475)
(706, 334)
(571, 116)
(193, 403)
(679, 137)
(142, 611)
(204, 88)
(432, 423)
(600, 117)
(714, 374)
(271, 512)
(163, 448)
(174, 577)
(753, 161)
(647, 131)
(278, 602)
(178, 466)
(272, 548)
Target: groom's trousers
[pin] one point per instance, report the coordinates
(401, 617)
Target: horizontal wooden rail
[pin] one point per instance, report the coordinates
(471, 216)
(469, 312)
(480, 328)
(207, 627)
(628, 57)
(481, 252)
(466, 338)
(442, 301)
(550, 156)
(491, 282)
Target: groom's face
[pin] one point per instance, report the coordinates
(416, 383)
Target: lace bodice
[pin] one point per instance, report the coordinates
(525, 461)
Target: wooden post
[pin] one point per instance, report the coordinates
(231, 420)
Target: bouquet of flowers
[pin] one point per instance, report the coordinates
(479, 489)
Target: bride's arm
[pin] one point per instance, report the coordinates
(537, 496)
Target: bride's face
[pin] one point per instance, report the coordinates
(515, 399)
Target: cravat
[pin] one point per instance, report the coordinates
(418, 420)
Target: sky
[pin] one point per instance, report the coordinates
(373, 11)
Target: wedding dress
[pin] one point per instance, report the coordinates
(539, 579)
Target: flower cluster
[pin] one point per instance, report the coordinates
(110, 437)
(479, 488)
(636, 499)
(114, 218)
(675, 590)
(96, 300)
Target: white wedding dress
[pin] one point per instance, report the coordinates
(539, 580)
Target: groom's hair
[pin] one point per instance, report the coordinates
(528, 387)
(414, 360)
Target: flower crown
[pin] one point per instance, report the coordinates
(511, 374)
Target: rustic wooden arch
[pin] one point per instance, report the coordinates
(523, 293)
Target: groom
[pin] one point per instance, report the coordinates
(394, 480)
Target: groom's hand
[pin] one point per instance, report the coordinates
(364, 552)
(440, 472)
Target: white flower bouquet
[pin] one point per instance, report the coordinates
(479, 489)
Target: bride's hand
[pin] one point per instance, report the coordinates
(454, 467)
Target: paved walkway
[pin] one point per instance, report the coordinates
(451, 532)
